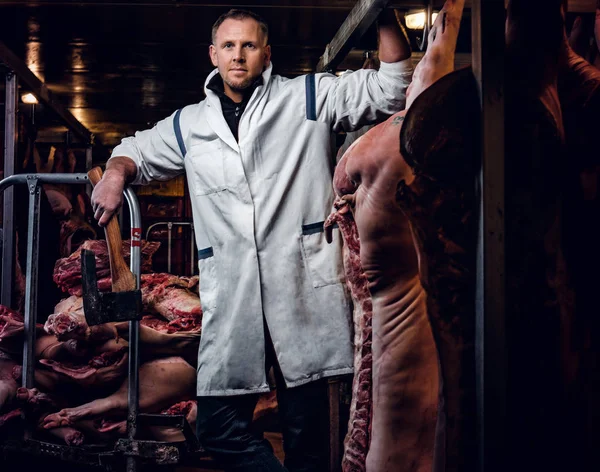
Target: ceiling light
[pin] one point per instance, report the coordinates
(416, 20)
(29, 98)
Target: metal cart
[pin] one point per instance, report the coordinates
(129, 452)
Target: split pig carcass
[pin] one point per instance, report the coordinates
(408, 209)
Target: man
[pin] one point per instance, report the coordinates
(257, 153)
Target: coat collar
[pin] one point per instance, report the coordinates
(215, 113)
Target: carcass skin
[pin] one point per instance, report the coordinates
(71, 436)
(48, 347)
(8, 384)
(11, 331)
(68, 323)
(408, 406)
(405, 388)
(107, 430)
(101, 371)
(10, 416)
(153, 343)
(356, 442)
(162, 383)
(189, 409)
(417, 248)
(439, 198)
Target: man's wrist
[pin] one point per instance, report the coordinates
(121, 169)
(115, 174)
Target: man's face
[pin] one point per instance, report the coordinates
(241, 54)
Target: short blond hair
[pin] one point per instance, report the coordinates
(238, 14)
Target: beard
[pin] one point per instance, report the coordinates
(240, 85)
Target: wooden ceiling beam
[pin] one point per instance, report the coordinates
(360, 18)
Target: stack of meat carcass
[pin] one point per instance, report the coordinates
(80, 392)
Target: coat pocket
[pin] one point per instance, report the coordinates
(208, 169)
(323, 261)
(208, 280)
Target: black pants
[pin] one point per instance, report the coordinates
(223, 427)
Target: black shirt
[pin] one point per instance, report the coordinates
(232, 111)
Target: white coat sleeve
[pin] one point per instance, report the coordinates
(155, 152)
(362, 97)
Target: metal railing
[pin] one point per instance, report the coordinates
(170, 224)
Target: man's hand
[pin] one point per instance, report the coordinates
(107, 196)
(393, 41)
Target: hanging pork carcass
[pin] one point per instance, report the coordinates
(408, 207)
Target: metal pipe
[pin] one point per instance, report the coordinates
(43, 179)
(133, 402)
(428, 25)
(192, 252)
(152, 226)
(169, 245)
(8, 233)
(429, 16)
(31, 281)
(170, 224)
(88, 166)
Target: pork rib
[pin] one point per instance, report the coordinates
(356, 443)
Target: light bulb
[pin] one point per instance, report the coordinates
(29, 98)
(416, 20)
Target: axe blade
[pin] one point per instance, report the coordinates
(92, 302)
(100, 308)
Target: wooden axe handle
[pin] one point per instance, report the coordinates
(122, 278)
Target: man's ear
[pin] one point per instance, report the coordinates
(212, 52)
(267, 59)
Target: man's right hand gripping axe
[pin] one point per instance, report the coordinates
(124, 302)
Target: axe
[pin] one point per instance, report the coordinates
(124, 303)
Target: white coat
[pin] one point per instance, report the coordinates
(259, 206)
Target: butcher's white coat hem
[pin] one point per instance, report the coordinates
(297, 383)
(321, 375)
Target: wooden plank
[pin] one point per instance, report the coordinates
(487, 29)
(360, 18)
(40, 90)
